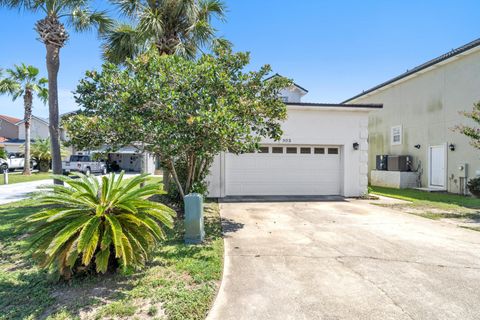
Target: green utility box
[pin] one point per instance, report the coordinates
(194, 230)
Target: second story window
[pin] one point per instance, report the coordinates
(396, 135)
(284, 99)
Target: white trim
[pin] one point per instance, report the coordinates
(392, 134)
(429, 156)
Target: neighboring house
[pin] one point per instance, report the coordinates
(8, 133)
(38, 129)
(8, 127)
(420, 109)
(12, 131)
(323, 151)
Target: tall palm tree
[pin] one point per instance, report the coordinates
(53, 34)
(179, 27)
(23, 81)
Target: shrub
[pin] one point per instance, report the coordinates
(41, 152)
(89, 224)
(474, 186)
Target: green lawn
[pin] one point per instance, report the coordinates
(433, 205)
(179, 283)
(17, 177)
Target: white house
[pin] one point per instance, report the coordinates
(324, 151)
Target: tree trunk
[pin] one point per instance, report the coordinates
(53, 64)
(27, 101)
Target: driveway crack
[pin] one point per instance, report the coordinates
(338, 259)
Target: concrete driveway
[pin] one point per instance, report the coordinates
(345, 260)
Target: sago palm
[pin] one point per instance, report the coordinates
(173, 26)
(53, 34)
(87, 223)
(23, 81)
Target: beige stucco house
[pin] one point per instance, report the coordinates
(420, 108)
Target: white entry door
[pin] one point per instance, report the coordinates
(438, 165)
(284, 170)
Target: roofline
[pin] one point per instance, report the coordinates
(471, 45)
(337, 105)
(296, 85)
(33, 116)
(8, 118)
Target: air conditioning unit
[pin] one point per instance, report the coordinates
(382, 162)
(399, 163)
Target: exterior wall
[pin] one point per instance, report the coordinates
(319, 126)
(293, 94)
(38, 130)
(13, 147)
(427, 106)
(8, 130)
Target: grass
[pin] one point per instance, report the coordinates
(17, 177)
(180, 282)
(434, 198)
(433, 205)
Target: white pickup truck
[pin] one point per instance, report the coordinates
(83, 164)
(14, 161)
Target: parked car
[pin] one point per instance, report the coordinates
(84, 164)
(14, 161)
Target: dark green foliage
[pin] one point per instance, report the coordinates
(471, 132)
(185, 112)
(87, 224)
(474, 186)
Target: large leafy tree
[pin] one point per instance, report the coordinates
(184, 111)
(52, 33)
(23, 81)
(473, 133)
(179, 27)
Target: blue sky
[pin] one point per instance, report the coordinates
(333, 48)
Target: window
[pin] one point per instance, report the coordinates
(396, 135)
(263, 150)
(284, 99)
(305, 150)
(332, 150)
(277, 150)
(291, 150)
(319, 151)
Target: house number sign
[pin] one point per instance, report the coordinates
(286, 140)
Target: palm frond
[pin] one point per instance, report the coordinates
(91, 222)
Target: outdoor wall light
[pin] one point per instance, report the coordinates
(417, 146)
(355, 146)
(451, 147)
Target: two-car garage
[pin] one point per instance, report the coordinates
(284, 170)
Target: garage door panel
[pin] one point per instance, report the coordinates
(283, 174)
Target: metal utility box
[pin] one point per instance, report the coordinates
(194, 226)
(382, 162)
(399, 163)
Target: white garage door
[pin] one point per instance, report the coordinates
(284, 170)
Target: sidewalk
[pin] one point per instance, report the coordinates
(19, 191)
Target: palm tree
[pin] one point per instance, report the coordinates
(42, 153)
(53, 34)
(22, 81)
(179, 27)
